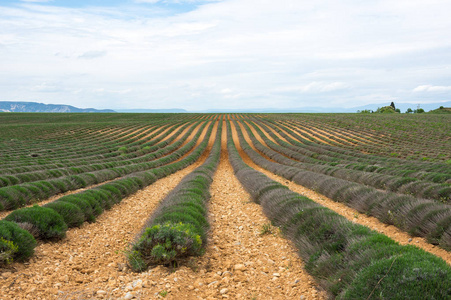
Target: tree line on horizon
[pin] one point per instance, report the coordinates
(392, 109)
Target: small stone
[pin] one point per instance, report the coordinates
(79, 280)
(190, 287)
(223, 291)
(137, 284)
(129, 287)
(227, 273)
(101, 292)
(409, 240)
(52, 291)
(302, 297)
(276, 275)
(128, 296)
(213, 282)
(121, 267)
(240, 267)
(198, 283)
(226, 280)
(112, 283)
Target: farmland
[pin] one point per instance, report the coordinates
(246, 206)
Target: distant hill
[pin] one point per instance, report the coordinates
(8, 106)
(444, 110)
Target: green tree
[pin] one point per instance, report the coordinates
(385, 110)
(409, 111)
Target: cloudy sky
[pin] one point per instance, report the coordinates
(219, 54)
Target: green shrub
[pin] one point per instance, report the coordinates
(104, 197)
(7, 251)
(78, 181)
(72, 214)
(8, 198)
(62, 185)
(93, 201)
(177, 210)
(100, 196)
(116, 195)
(84, 205)
(403, 276)
(175, 217)
(24, 241)
(164, 244)
(4, 181)
(393, 186)
(136, 261)
(13, 179)
(50, 224)
(122, 150)
(34, 192)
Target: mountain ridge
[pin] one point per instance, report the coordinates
(18, 106)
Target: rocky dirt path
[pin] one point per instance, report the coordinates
(349, 213)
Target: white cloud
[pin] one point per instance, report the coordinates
(226, 91)
(432, 88)
(92, 54)
(322, 87)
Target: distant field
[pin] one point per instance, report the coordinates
(395, 168)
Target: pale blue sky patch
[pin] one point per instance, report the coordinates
(225, 54)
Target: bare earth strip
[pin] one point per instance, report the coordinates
(174, 130)
(351, 214)
(321, 138)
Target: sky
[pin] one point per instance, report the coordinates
(225, 54)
